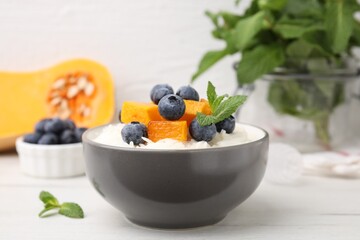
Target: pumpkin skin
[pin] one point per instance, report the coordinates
(24, 97)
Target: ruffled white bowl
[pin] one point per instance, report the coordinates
(51, 161)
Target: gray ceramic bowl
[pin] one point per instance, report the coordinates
(175, 188)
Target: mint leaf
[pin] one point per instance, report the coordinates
(213, 98)
(247, 28)
(339, 24)
(71, 210)
(318, 65)
(208, 60)
(309, 8)
(221, 106)
(290, 30)
(217, 102)
(272, 4)
(211, 95)
(230, 19)
(205, 120)
(213, 17)
(259, 61)
(316, 40)
(228, 107)
(299, 49)
(48, 199)
(295, 28)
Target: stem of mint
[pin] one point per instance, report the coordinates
(42, 213)
(322, 130)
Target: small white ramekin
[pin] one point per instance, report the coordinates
(51, 161)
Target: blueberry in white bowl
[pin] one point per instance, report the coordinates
(53, 150)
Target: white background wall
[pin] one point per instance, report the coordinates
(142, 42)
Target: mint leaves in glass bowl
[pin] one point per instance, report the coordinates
(309, 38)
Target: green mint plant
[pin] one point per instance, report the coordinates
(309, 37)
(221, 106)
(68, 209)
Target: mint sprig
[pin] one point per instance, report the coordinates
(221, 106)
(67, 209)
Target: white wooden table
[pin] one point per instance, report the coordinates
(315, 208)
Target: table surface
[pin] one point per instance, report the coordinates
(314, 208)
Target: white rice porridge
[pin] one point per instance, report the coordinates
(111, 135)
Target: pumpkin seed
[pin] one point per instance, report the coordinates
(81, 108)
(72, 91)
(64, 104)
(55, 101)
(86, 112)
(89, 89)
(82, 82)
(60, 83)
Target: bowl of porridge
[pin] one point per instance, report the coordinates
(177, 162)
(170, 184)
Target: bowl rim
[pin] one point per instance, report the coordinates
(87, 140)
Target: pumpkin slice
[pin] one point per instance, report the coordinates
(207, 108)
(140, 112)
(176, 130)
(80, 89)
(192, 107)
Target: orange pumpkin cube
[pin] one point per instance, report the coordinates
(207, 108)
(192, 107)
(176, 130)
(140, 112)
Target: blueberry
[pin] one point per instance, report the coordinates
(159, 91)
(227, 124)
(134, 132)
(68, 136)
(32, 138)
(55, 125)
(40, 126)
(69, 124)
(79, 132)
(200, 133)
(189, 93)
(48, 139)
(144, 129)
(171, 107)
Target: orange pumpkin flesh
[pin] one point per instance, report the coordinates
(25, 98)
(158, 130)
(139, 112)
(207, 108)
(192, 107)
